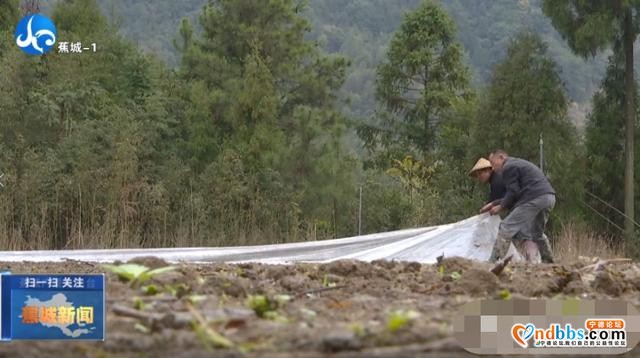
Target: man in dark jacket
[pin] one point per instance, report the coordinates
(530, 197)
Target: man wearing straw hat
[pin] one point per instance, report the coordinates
(530, 197)
(484, 173)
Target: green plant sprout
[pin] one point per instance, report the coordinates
(399, 319)
(136, 274)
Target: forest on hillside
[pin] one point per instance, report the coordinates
(361, 30)
(237, 122)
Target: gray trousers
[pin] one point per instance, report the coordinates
(526, 222)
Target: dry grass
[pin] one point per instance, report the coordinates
(576, 240)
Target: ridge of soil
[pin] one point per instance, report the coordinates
(338, 308)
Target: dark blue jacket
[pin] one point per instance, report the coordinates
(524, 182)
(498, 189)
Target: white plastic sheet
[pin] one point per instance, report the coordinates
(472, 238)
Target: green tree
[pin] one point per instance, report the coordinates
(459, 196)
(262, 113)
(590, 26)
(423, 73)
(524, 98)
(413, 174)
(604, 140)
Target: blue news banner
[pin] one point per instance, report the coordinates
(52, 306)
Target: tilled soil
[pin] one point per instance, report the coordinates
(340, 308)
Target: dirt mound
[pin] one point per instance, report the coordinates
(342, 307)
(476, 283)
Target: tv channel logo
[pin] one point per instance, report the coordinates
(52, 306)
(35, 34)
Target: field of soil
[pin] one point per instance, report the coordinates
(345, 308)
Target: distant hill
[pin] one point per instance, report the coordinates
(361, 30)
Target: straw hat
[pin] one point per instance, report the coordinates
(480, 164)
